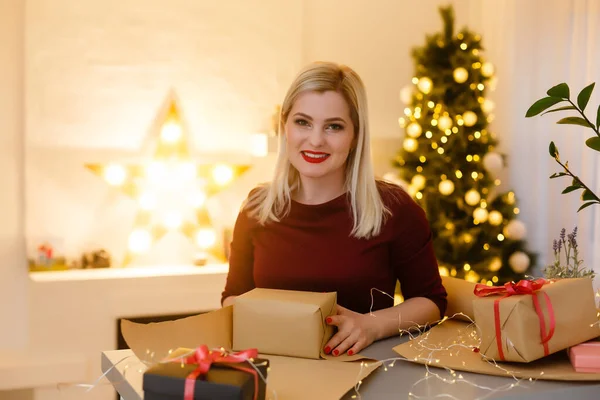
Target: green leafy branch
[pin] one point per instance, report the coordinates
(561, 94)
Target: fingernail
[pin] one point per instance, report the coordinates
(336, 352)
(328, 320)
(327, 349)
(350, 352)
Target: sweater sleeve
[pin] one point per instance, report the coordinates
(413, 258)
(240, 278)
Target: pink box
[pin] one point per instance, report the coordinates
(585, 357)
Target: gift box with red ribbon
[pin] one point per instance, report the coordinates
(203, 374)
(531, 319)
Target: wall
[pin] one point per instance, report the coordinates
(97, 74)
(222, 61)
(13, 272)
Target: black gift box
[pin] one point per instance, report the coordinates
(166, 381)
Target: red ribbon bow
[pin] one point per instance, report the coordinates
(205, 358)
(523, 287)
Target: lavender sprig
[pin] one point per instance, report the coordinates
(576, 270)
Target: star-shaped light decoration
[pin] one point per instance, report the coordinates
(170, 189)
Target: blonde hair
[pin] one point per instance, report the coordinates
(272, 201)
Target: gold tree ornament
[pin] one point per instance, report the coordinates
(170, 188)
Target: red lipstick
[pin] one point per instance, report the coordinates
(314, 157)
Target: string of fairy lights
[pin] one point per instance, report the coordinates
(419, 337)
(467, 339)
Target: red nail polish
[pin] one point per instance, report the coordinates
(350, 352)
(328, 320)
(336, 352)
(327, 349)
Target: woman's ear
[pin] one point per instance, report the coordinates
(282, 128)
(354, 144)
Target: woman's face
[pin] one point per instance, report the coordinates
(320, 135)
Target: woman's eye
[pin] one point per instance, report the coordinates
(301, 122)
(335, 127)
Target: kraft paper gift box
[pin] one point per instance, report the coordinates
(291, 378)
(512, 330)
(223, 381)
(585, 357)
(460, 298)
(283, 322)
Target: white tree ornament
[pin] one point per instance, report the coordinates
(515, 230)
(519, 262)
(493, 163)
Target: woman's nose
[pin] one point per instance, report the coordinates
(316, 137)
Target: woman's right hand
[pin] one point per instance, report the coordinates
(229, 301)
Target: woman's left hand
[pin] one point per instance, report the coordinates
(354, 332)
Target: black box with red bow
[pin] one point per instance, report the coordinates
(221, 380)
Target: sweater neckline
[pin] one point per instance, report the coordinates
(333, 203)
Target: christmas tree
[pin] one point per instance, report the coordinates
(449, 163)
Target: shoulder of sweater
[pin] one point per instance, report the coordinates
(393, 196)
(398, 201)
(256, 195)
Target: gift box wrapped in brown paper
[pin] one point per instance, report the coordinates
(452, 344)
(274, 322)
(568, 302)
(283, 322)
(460, 298)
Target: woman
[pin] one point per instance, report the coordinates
(324, 224)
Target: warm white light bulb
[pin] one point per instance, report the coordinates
(418, 181)
(139, 241)
(410, 145)
(495, 264)
(495, 218)
(155, 172)
(414, 130)
(480, 214)
(425, 85)
(197, 199)
(115, 174)
(186, 172)
(173, 219)
(445, 122)
(488, 106)
(487, 69)
(460, 75)
(206, 238)
(446, 187)
(472, 197)
(222, 174)
(171, 132)
(147, 201)
(470, 118)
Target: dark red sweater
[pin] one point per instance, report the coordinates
(311, 250)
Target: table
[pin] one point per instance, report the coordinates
(395, 383)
